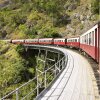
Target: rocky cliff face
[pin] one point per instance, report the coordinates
(81, 18)
(4, 3)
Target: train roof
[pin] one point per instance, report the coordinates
(96, 25)
(31, 39)
(73, 38)
(45, 38)
(59, 38)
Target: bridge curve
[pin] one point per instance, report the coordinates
(74, 82)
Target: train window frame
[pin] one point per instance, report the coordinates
(89, 41)
(93, 38)
(75, 40)
(85, 39)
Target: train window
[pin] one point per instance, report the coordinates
(90, 38)
(83, 40)
(87, 38)
(75, 40)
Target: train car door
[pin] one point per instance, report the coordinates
(97, 44)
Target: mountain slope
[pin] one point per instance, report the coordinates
(37, 18)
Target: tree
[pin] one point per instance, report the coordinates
(20, 49)
(95, 5)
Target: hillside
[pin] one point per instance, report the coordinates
(21, 19)
(16, 67)
(40, 18)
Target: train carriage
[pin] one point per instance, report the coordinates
(89, 42)
(60, 41)
(21, 41)
(46, 41)
(73, 42)
(31, 41)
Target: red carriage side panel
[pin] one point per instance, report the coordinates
(60, 41)
(89, 42)
(32, 41)
(46, 41)
(88, 49)
(18, 41)
(73, 44)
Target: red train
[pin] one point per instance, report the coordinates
(89, 42)
(73, 42)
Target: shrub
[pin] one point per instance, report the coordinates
(20, 49)
(95, 6)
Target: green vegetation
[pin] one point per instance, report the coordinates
(18, 66)
(20, 49)
(15, 69)
(31, 18)
(44, 18)
(95, 6)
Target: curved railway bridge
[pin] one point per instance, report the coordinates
(74, 81)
